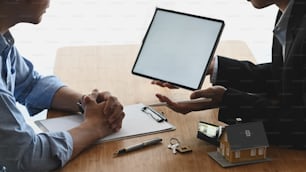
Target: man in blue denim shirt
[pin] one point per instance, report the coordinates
(20, 148)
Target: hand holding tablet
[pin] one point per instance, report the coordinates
(178, 48)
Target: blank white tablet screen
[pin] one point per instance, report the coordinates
(177, 48)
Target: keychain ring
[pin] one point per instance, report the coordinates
(174, 141)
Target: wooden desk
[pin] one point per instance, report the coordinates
(109, 68)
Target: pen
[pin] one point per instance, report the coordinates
(200, 100)
(137, 146)
(157, 116)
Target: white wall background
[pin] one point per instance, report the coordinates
(100, 22)
(96, 22)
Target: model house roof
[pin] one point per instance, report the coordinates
(246, 135)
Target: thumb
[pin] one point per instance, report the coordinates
(215, 93)
(88, 100)
(200, 94)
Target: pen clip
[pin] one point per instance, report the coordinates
(155, 115)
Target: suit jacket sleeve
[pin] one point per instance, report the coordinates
(249, 93)
(274, 93)
(244, 75)
(248, 106)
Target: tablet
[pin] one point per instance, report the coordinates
(177, 48)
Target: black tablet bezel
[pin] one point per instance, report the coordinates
(209, 60)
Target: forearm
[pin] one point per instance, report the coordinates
(66, 99)
(249, 107)
(83, 136)
(241, 74)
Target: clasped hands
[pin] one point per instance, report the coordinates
(103, 111)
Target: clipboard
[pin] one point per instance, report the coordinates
(139, 120)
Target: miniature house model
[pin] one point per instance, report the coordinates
(243, 142)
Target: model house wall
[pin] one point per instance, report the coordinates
(237, 142)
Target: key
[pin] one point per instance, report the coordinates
(173, 147)
(183, 149)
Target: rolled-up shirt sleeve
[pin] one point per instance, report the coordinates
(33, 90)
(41, 95)
(21, 149)
(48, 151)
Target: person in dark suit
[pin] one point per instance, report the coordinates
(274, 93)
